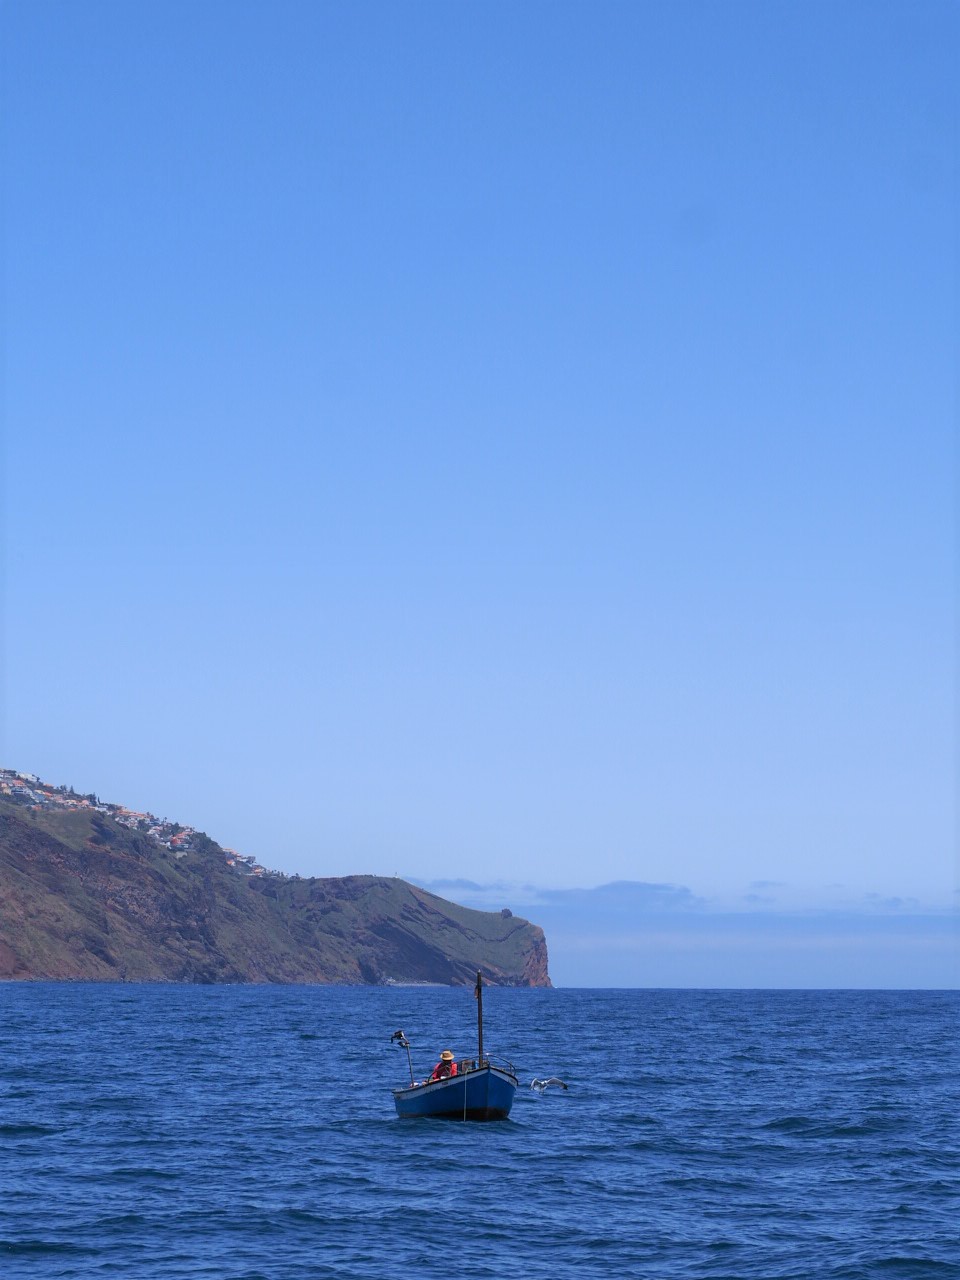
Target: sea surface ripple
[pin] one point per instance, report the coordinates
(248, 1133)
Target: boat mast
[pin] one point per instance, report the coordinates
(478, 992)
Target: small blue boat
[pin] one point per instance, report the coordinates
(485, 1093)
(479, 1090)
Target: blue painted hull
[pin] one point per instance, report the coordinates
(485, 1094)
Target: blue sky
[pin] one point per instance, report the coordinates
(502, 442)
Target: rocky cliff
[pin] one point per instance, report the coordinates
(82, 897)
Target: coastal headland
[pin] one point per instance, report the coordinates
(97, 892)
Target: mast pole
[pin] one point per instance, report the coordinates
(399, 1038)
(478, 992)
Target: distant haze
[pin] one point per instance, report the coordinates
(658, 935)
(503, 443)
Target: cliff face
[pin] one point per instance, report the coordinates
(82, 897)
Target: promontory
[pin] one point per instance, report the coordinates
(85, 895)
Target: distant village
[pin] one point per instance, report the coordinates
(28, 790)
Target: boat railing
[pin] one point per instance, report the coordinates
(500, 1063)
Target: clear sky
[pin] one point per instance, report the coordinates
(510, 442)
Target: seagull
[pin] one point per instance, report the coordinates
(540, 1085)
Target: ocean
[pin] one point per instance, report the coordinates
(249, 1133)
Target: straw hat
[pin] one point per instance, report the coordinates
(446, 1056)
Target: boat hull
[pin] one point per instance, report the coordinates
(484, 1094)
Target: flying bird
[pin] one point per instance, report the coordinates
(540, 1085)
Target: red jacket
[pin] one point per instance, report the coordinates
(444, 1069)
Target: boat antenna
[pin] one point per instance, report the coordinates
(478, 993)
(404, 1043)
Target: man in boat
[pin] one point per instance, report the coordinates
(445, 1067)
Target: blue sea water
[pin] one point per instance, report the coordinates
(248, 1133)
